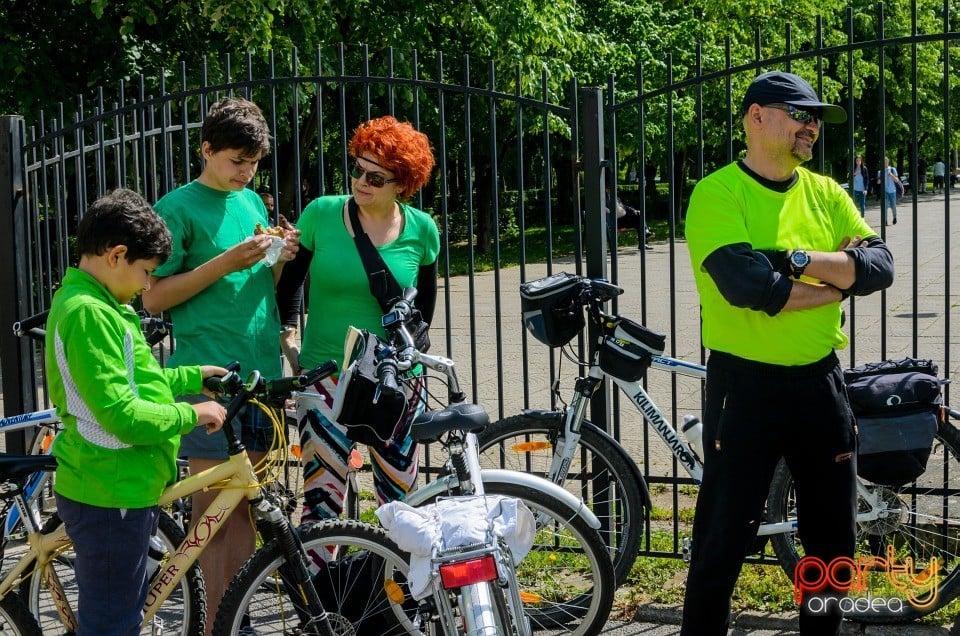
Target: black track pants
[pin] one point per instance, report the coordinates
(755, 413)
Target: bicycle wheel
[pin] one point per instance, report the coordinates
(602, 474)
(566, 580)
(15, 617)
(919, 521)
(356, 569)
(182, 613)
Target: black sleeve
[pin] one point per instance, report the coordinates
(746, 278)
(874, 265)
(426, 300)
(290, 287)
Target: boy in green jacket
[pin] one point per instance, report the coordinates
(122, 426)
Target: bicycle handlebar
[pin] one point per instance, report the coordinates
(256, 386)
(154, 329)
(30, 326)
(399, 353)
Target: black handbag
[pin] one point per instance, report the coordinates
(374, 423)
(383, 286)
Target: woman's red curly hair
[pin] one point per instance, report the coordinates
(400, 148)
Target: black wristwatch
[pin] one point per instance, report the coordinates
(798, 260)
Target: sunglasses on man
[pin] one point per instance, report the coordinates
(798, 114)
(374, 179)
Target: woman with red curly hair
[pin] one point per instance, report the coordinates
(391, 162)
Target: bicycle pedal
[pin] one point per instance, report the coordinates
(685, 544)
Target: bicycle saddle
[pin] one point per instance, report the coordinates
(14, 466)
(430, 425)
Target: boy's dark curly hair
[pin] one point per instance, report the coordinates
(236, 124)
(123, 217)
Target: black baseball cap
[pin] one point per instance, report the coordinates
(776, 87)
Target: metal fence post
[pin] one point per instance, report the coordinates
(19, 382)
(595, 223)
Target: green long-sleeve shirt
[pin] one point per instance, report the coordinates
(122, 427)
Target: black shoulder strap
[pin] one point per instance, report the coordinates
(383, 286)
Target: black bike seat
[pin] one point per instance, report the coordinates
(430, 425)
(14, 466)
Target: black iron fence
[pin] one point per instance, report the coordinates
(519, 191)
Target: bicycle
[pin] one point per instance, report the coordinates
(572, 592)
(564, 447)
(236, 478)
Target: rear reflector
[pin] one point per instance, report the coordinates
(454, 575)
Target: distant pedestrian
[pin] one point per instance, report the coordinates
(939, 172)
(861, 179)
(922, 175)
(621, 216)
(892, 188)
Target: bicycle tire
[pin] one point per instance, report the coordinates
(257, 590)
(183, 613)
(622, 529)
(916, 524)
(541, 575)
(16, 619)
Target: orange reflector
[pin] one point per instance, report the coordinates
(530, 597)
(530, 447)
(394, 592)
(356, 459)
(454, 575)
(47, 440)
(295, 450)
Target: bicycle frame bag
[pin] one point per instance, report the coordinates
(377, 423)
(627, 348)
(896, 404)
(549, 307)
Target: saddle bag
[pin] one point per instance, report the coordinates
(896, 404)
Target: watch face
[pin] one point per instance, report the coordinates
(799, 258)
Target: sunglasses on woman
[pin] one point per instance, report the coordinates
(374, 179)
(797, 114)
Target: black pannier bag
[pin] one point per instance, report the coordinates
(627, 348)
(897, 407)
(549, 307)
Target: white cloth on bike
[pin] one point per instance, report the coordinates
(451, 523)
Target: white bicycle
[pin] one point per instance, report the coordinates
(920, 520)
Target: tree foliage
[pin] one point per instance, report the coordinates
(57, 49)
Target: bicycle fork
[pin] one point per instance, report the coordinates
(293, 572)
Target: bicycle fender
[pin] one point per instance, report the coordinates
(543, 414)
(637, 475)
(445, 484)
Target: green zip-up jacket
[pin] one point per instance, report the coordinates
(122, 427)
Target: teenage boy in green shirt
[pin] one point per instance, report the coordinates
(222, 301)
(122, 426)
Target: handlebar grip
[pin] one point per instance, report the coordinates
(283, 386)
(28, 326)
(214, 383)
(321, 372)
(388, 377)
